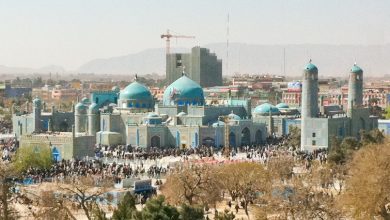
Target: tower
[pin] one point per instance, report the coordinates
(310, 91)
(80, 116)
(355, 88)
(37, 109)
(93, 119)
(309, 105)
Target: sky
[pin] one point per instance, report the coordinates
(69, 33)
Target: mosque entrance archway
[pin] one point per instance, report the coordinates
(245, 136)
(64, 126)
(258, 138)
(232, 139)
(155, 141)
(208, 141)
(56, 154)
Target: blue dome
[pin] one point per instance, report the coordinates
(116, 89)
(282, 105)
(85, 101)
(311, 68)
(265, 109)
(153, 115)
(135, 91)
(37, 102)
(181, 114)
(356, 69)
(184, 91)
(94, 108)
(234, 116)
(80, 107)
(218, 124)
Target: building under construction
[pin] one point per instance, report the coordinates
(201, 66)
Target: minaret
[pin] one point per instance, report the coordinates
(309, 104)
(93, 119)
(80, 115)
(37, 109)
(355, 89)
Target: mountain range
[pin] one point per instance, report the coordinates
(331, 60)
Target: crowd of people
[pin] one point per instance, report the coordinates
(8, 146)
(126, 161)
(94, 168)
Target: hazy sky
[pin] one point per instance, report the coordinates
(35, 33)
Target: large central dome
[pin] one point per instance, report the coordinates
(136, 95)
(184, 91)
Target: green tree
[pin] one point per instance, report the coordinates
(225, 215)
(387, 114)
(191, 212)
(126, 208)
(38, 156)
(341, 151)
(157, 209)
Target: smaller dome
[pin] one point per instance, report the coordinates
(94, 108)
(356, 69)
(85, 101)
(265, 109)
(218, 124)
(181, 114)
(37, 102)
(116, 89)
(233, 116)
(136, 91)
(80, 107)
(282, 105)
(153, 115)
(311, 68)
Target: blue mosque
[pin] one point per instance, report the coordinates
(132, 116)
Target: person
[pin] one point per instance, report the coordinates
(237, 207)
(230, 204)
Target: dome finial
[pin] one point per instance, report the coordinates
(310, 60)
(136, 77)
(183, 72)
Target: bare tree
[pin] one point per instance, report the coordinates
(244, 181)
(86, 192)
(367, 187)
(194, 184)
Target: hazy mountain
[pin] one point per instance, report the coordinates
(248, 58)
(25, 70)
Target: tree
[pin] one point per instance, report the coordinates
(303, 197)
(191, 212)
(7, 194)
(38, 156)
(157, 209)
(341, 151)
(294, 137)
(192, 185)
(52, 207)
(367, 189)
(225, 215)
(86, 192)
(126, 208)
(245, 181)
(387, 115)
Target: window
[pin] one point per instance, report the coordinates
(313, 134)
(313, 142)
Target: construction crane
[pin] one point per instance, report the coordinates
(168, 37)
